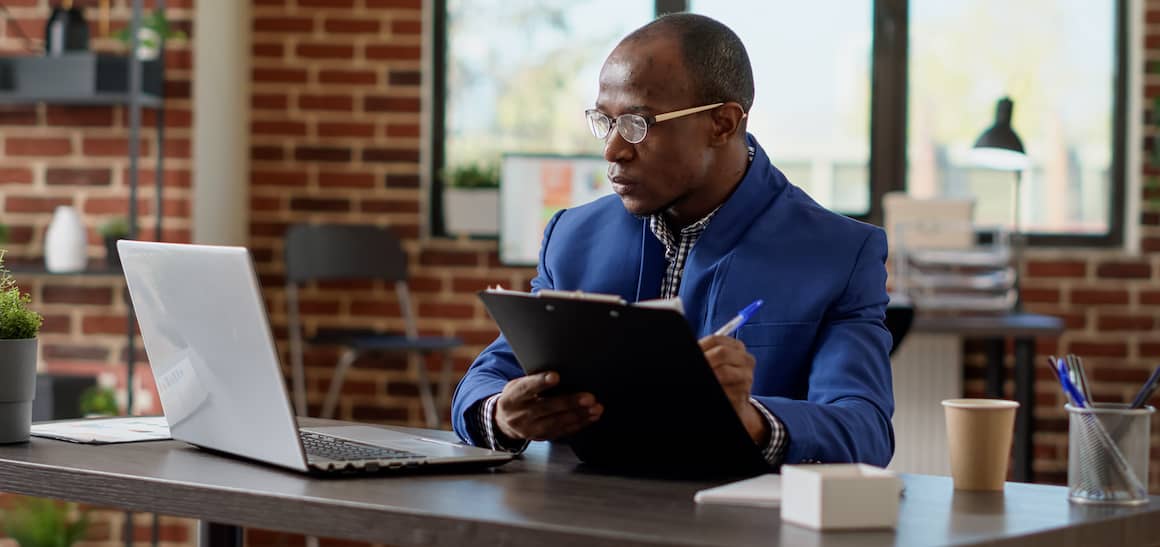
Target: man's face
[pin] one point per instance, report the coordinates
(670, 165)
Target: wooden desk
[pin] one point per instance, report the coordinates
(994, 331)
(542, 499)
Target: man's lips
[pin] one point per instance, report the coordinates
(622, 185)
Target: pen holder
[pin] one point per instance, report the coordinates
(1107, 457)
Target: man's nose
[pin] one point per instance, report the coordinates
(616, 149)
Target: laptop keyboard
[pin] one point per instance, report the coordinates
(338, 449)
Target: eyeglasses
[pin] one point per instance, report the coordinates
(633, 127)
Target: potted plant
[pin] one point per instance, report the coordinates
(471, 199)
(3, 233)
(99, 401)
(154, 27)
(18, 329)
(112, 230)
(41, 522)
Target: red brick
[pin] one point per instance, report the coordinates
(403, 181)
(1153, 16)
(278, 178)
(25, 29)
(390, 155)
(1099, 349)
(1099, 296)
(395, 4)
(406, 26)
(402, 130)
(425, 284)
(326, 3)
(325, 51)
(18, 115)
(1109, 373)
(106, 206)
(389, 53)
(405, 77)
(318, 307)
(20, 235)
(391, 104)
(1124, 270)
(346, 180)
(319, 205)
(1058, 268)
(279, 75)
(79, 116)
(379, 413)
(352, 26)
(1149, 350)
(1150, 218)
(475, 284)
(360, 77)
(18, 204)
(75, 352)
(1125, 322)
(258, 203)
(345, 129)
(70, 176)
(1150, 244)
(284, 128)
(15, 175)
(268, 229)
(268, 50)
(1035, 295)
(37, 146)
(268, 101)
(284, 24)
(326, 102)
(112, 147)
(176, 533)
(320, 153)
(446, 310)
(267, 153)
(389, 206)
(71, 294)
(177, 178)
(375, 309)
(103, 324)
(477, 337)
(178, 59)
(177, 89)
(56, 324)
(1150, 298)
(433, 257)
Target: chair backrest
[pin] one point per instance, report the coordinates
(343, 251)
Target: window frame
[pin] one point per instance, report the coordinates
(889, 92)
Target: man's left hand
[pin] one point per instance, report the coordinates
(734, 365)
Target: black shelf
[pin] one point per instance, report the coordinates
(94, 269)
(98, 99)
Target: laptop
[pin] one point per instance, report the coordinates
(213, 357)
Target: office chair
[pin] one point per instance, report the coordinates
(357, 252)
(899, 317)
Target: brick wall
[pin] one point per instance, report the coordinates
(336, 137)
(54, 155)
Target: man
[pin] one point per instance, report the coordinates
(700, 213)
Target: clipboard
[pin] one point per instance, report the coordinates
(664, 410)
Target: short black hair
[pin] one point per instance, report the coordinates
(714, 56)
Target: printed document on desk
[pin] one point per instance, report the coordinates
(105, 430)
(761, 491)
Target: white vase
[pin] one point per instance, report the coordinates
(472, 211)
(65, 242)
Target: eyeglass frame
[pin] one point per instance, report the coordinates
(649, 120)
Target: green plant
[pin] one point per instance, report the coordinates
(17, 322)
(156, 22)
(3, 233)
(115, 227)
(472, 176)
(40, 522)
(99, 400)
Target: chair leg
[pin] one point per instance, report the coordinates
(426, 397)
(340, 369)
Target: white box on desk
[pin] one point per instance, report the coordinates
(839, 496)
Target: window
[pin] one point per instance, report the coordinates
(1057, 61)
(854, 98)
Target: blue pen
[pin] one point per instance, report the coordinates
(1069, 388)
(729, 328)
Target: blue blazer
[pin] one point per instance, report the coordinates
(820, 341)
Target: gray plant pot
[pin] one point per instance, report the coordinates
(17, 388)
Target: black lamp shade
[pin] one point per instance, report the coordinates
(999, 147)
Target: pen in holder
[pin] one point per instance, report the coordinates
(1103, 469)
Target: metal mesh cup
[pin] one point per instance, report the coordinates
(1107, 458)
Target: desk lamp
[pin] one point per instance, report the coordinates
(999, 147)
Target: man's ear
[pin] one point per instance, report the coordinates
(728, 120)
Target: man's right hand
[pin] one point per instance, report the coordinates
(522, 414)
